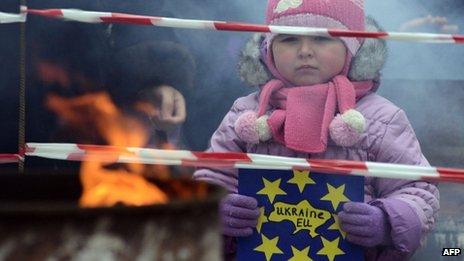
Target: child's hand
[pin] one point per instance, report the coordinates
(364, 224)
(239, 215)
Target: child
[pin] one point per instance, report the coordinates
(311, 79)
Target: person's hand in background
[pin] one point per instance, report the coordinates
(171, 108)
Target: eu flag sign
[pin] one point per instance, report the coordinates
(298, 219)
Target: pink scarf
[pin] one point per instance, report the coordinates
(302, 115)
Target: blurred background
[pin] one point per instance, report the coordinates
(72, 67)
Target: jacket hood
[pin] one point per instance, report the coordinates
(365, 65)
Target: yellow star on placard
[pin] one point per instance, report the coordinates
(271, 189)
(336, 226)
(269, 247)
(300, 255)
(261, 219)
(301, 179)
(335, 195)
(330, 248)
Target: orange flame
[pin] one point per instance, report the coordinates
(103, 186)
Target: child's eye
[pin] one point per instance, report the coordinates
(289, 39)
(322, 38)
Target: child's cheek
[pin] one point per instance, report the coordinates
(334, 59)
(284, 57)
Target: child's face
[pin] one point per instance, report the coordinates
(308, 60)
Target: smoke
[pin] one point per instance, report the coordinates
(426, 79)
(217, 82)
(420, 60)
(89, 51)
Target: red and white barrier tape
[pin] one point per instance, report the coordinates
(9, 158)
(6, 18)
(77, 152)
(106, 17)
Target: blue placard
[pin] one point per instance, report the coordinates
(298, 218)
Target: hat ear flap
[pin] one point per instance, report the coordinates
(250, 66)
(371, 56)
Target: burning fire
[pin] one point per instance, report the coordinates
(106, 187)
(103, 185)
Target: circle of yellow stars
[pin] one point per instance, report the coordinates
(301, 178)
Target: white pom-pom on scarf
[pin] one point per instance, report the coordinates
(252, 129)
(346, 129)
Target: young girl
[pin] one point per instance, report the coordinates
(317, 100)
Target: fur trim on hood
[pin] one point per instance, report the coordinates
(366, 65)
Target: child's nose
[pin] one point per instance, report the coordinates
(306, 47)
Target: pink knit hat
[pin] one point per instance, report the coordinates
(334, 14)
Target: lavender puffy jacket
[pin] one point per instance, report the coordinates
(411, 206)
